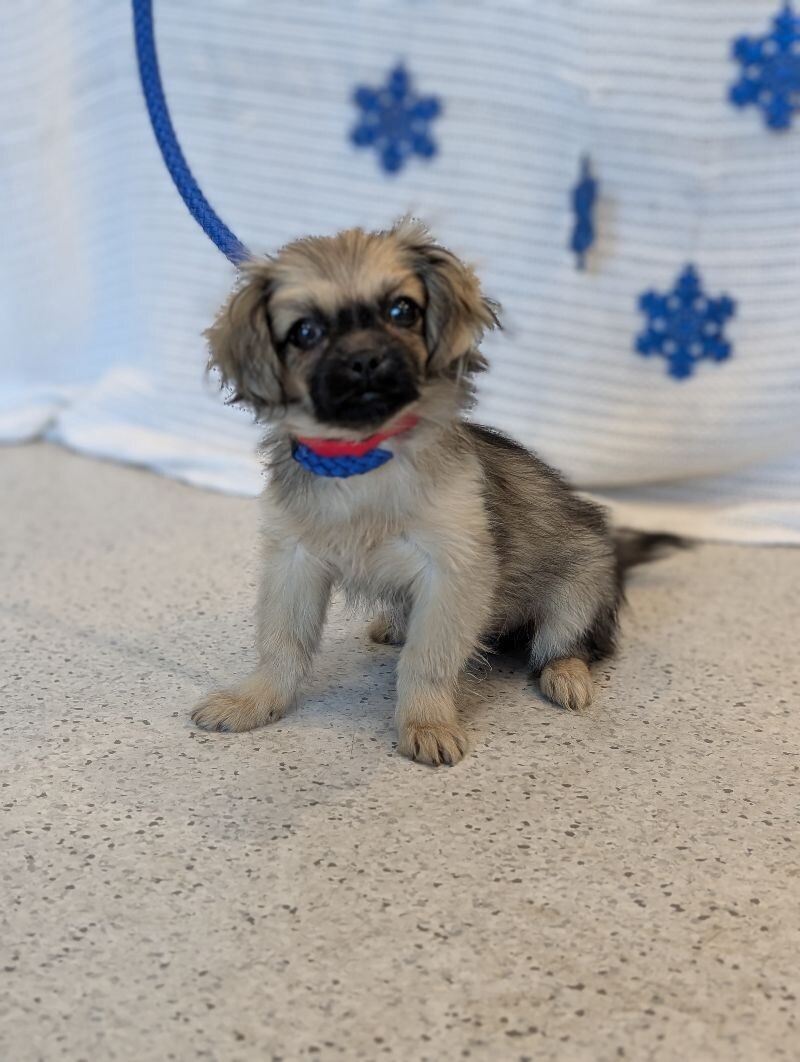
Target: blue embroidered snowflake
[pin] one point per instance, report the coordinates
(685, 325)
(584, 195)
(395, 121)
(771, 70)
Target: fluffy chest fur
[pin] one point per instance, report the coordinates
(380, 533)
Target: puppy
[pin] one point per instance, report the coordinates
(359, 351)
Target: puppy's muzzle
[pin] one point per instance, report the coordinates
(363, 384)
(366, 368)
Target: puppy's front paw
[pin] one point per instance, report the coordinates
(568, 682)
(251, 705)
(433, 743)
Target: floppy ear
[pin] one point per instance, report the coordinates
(458, 313)
(240, 342)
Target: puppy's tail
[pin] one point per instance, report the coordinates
(641, 547)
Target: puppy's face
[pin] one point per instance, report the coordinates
(350, 329)
(347, 322)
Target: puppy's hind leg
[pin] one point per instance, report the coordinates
(557, 655)
(293, 600)
(567, 682)
(571, 630)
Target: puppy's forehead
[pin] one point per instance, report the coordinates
(351, 267)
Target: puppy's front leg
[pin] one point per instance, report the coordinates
(293, 599)
(446, 621)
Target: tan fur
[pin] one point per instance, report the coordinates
(327, 272)
(388, 627)
(421, 537)
(253, 703)
(568, 683)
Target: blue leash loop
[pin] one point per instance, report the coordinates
(150, 77)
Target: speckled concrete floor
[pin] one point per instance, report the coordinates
(620, 887)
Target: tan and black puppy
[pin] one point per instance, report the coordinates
(358, 350)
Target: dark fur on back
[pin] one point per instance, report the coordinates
(545, 534)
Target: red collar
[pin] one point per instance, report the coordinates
(347, 448)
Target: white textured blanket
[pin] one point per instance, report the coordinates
(106, 282)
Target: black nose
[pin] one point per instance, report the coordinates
(361, 366)
(362, 382)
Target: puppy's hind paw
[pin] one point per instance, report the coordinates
(385, 630)
(568, 682)
(249, 706)
(433, 743)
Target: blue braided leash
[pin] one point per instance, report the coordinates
(150, 77)
(214, 227)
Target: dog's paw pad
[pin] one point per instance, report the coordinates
(568, 683)
(433, 744)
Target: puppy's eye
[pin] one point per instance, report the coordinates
(306, 333)
(403, 312)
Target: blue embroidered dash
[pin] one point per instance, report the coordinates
(339, 467)
(584, 196)
(771, 70)
(395, 121)
(685, 325)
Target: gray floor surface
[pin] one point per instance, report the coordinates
(624, 886)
